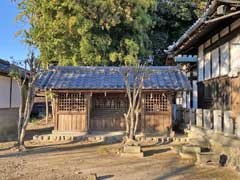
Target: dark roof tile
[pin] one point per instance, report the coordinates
(69, 77)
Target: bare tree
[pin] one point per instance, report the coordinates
(134, 81)
(26, 78)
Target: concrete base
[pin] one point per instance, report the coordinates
(191, 149)
(138, 155)
(132, 151)
(187, 156)
(208, 157)
(219, 144)
(8, 122)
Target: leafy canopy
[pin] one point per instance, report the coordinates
(88, 32)
(105, 32)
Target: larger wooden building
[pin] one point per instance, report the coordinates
(215, 39)
(9, 101)
(94, 98)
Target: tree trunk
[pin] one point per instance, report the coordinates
(46, 103)
(131, 134)
(20, 115)
(28, 109)
(136, 122)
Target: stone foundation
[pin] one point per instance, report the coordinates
(218, 143)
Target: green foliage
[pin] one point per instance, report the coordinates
(88, 32)
(172, 19)
(105, 32)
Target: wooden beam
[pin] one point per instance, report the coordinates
(109, 91)
(223, 40)
(230, 2)
(222, 17)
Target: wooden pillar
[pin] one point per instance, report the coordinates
(89, 104)
(142, 113)
(56, 116)
(170, 98)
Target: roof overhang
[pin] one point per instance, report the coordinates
(203, 28)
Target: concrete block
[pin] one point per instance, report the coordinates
(199, 117)
(228, 123)
(92, 177)
(35, 138)
(187, 155)
(187, 116)
(8, 121)
(191, 149)
(53, 138)
(217, 120)
(207, 124)
(238, 125)
(207, 157)
(139, 155)
(132, 149)
(193, 116)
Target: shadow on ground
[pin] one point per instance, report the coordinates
(176, 172)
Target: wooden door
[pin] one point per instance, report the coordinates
(235, 97)
(71, 112)
(108, 112)
(157, 113)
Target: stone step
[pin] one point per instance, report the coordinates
(207, 157)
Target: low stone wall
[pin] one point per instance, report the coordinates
(8, 123)
(218, 142)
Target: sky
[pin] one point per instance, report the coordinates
(10, 45)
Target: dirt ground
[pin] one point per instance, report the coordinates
(70, 161)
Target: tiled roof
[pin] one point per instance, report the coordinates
(4, 66)
(210, 8)
(68, 77)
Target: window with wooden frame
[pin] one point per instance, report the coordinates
(156, 103)
(111, 102)
(74, 102)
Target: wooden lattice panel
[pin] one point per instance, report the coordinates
(111, 102)
(74, 102)
(156, 103)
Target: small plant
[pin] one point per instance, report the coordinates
(34, 121)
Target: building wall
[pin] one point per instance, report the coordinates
(5, 92)
(9, 103)
(218, 58)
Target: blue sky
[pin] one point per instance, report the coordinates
(10, 45)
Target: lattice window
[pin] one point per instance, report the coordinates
(71, 102)
(110, 102)
(156, 103)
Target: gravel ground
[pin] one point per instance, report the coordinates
(78, 160)
(70, 161)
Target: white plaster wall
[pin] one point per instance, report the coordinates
(15, 94)
(4, 92)
(207, 64)
(235, 53)
(215, 63)
(224, 61)
(200, 63)
(195, 95)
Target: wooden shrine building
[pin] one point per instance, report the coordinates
(94, 98)
(215, 39)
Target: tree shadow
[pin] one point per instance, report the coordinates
(40, 131)
(53, 148)
(156, 151)
(104, 177)
(178, 171)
